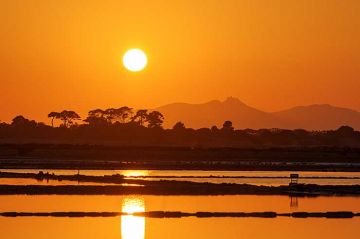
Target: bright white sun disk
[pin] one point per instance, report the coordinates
(135, 60)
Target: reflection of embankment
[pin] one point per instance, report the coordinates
(133, 225)
(182, 188)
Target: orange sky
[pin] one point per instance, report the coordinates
(274, 54)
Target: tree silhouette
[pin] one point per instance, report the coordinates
(214, 129)
(110, 115)
(124, 113)
(96, 117)
(345, 131)
(118, 115)
(140, 117)
(179, 126)
(97, 113)
(228, 126)
(53, 115)
(155, 119)
(19, 121)
(68, 117)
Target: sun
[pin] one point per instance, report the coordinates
(135, 60)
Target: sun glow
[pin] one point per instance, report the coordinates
(135, 60)
(133, 227)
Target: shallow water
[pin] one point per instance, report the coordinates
(130, 227)
(189, 228)
(197, 173)
(231, 203)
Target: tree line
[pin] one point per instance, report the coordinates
(126, 126)
(110, 116)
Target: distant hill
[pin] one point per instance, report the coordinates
(313, 117)
(320, 117)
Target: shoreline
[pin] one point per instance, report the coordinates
(119, 185)
(190, 165)
(119, 178)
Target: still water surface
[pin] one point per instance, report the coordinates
(130, 227)
(230, 203)
(184, 228)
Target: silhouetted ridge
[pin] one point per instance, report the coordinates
(312, 117)
(320, 117)
(216, 112)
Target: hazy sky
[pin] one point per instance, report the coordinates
(272, 54)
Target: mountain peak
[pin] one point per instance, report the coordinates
(215, 112)
(232, 101)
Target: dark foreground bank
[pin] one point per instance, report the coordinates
(177, 214)
(183, 188)
(54, 156)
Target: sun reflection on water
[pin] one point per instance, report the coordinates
(133, 227)
(135, 173)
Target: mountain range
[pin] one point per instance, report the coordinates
(312, 117)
